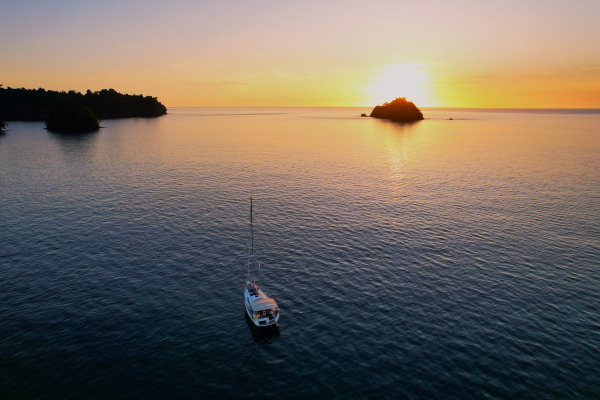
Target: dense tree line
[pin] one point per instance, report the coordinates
(399, 110)
(38, 104)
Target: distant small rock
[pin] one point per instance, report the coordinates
(363, 115)
(399, 110)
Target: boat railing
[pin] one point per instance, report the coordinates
(268, 314)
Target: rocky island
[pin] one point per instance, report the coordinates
(73, 111)
(399, 110)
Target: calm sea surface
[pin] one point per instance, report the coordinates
(448, 259)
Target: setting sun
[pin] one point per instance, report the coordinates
(400, 80)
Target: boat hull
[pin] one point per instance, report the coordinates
(263, 333)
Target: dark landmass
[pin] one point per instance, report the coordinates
(399, 110)
(72, 118)
(72, 111)
(37, 104)
(2, 127)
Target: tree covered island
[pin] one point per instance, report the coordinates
(73, 111)
(399, 110)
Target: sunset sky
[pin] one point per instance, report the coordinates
(512, 53)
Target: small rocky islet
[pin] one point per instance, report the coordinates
(398, 110)
(72, 118)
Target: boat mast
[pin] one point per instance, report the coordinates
(251, 232)
(251, 255)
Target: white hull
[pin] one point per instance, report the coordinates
(261, 309)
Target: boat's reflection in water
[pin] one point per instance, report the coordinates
(264, 333)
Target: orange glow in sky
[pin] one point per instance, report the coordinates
(407, 79)
(310, 53)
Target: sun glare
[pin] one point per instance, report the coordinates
(400, 80)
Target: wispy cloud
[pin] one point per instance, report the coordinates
(539, 73)
(217, 83)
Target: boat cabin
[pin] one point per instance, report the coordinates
(261, 309)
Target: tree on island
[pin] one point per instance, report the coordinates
(2, 124)
(399, 110)
(71, 117)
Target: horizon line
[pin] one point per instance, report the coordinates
(423, 107)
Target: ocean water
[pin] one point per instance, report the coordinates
(446, 259)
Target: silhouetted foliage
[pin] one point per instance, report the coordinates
(36, 104)
(71, 117)
(399, 110)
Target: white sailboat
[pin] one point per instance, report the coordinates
(261, 309)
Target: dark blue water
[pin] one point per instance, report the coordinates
(445, 259)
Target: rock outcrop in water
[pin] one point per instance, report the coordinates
(399, 110)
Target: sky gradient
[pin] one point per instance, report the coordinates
(466, 53)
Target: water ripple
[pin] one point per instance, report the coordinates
(438, 260)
